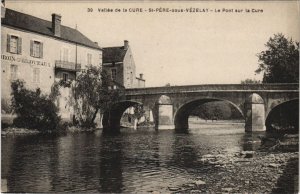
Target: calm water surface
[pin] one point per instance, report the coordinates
(134, 161)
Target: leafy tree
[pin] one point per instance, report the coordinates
(280, 62)
(93, 92)
(108, 94)
(250, 81)
(34, 110)
(138, 114)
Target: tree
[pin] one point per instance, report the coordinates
(138, 114)
(35, 110)
(92, 91)
(108, 94)
(280, 62)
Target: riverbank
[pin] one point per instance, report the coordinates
(18, 131)
(263, 173)
(15, 131)
(271, 169)
(194, 120)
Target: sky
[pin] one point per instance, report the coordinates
(186, 48)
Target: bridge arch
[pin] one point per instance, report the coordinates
(182, 114)
(283, 114)
(111, 118)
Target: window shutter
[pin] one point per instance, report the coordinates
(8, 43)
(41, 50)
(31, 47)
(19, 45)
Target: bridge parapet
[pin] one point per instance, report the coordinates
(215, 88)
(171, 106)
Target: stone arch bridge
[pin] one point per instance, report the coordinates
(172, 105)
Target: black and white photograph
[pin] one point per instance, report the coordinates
(152, 96)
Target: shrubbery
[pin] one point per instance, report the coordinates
(34, 110)
(93, 93)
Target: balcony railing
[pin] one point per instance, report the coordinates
(69, 66)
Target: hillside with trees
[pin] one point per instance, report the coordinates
(218, 110)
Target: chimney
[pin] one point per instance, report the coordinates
(3, 9)
(141, 76)
(96, 43)
(126, 44)
(56, 21)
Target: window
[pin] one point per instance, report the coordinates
(113, 74)
(13, 72)
(36, 75)
(65, 77)
(89, 59)
(14, 44)
(64, 54)
(36, 49)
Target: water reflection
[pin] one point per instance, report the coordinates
(184, 152)
(110, 174)
(133, 161)
(32, 175)
(252, 141)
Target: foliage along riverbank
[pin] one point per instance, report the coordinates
(12, 131)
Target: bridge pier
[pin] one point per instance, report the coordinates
(111, 123)
(255, 113)
(164, 113)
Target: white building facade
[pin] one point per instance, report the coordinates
(40, 52)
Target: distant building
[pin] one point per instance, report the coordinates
(119, 63)
(40, 51)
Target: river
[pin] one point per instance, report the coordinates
(133, 161)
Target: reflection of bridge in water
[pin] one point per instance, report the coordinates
(171, 106)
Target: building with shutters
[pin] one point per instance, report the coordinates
(119, 63)
(40, 52)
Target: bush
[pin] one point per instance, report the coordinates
(34, 110)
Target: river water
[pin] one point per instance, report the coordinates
(133, 161)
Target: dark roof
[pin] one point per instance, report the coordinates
(38, 25)
(113, 54)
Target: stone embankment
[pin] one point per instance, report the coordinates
(246, 172)
(271, 170)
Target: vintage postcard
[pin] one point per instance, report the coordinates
(149, 96)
